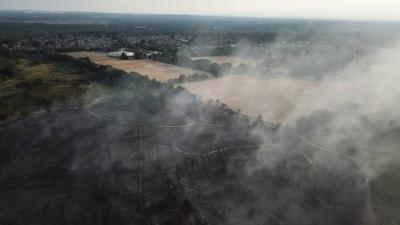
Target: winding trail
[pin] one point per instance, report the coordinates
(368, 214)
(324, 149)
(135, 123)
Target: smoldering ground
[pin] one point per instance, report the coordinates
(117, 156)
(172, 159)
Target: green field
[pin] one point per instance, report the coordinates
(34, 81)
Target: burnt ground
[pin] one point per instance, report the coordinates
(124, 163)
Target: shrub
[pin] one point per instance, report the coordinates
(3, 117)
(37, 82)
(10, 70)
(24, 85)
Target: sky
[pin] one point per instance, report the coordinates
(323, 9)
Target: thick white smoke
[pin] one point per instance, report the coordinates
(337, 88)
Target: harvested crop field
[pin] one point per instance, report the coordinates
(276, 99)
(153, 69)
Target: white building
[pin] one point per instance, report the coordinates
(119, 53)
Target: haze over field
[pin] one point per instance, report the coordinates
(310, 86)
(286, 94)
(276, 99)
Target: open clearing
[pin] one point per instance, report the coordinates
(153, 69)
(276, 99)
(229, 59)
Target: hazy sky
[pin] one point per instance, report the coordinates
(341, 9)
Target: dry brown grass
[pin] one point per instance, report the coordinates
(153, 69)
(276, 99)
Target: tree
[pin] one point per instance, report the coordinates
(182, 78)
(226, 67)
(10, 70)
(216, 69)
(241, 68)
(259, 121)
(124, 56)
(204, 76)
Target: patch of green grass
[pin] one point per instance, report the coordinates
(40, 86)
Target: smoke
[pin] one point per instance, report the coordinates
(342, 122)
(335, 86)
(359, 118)
(340, 117)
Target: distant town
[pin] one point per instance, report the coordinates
(96, 41)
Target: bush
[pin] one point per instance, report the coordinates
(10, 70)
(28, 85)
(24, 85)
(37, 82)
(3, 117)
(124, 56)
(3, 77)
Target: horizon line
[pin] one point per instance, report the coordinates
(208, 15)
